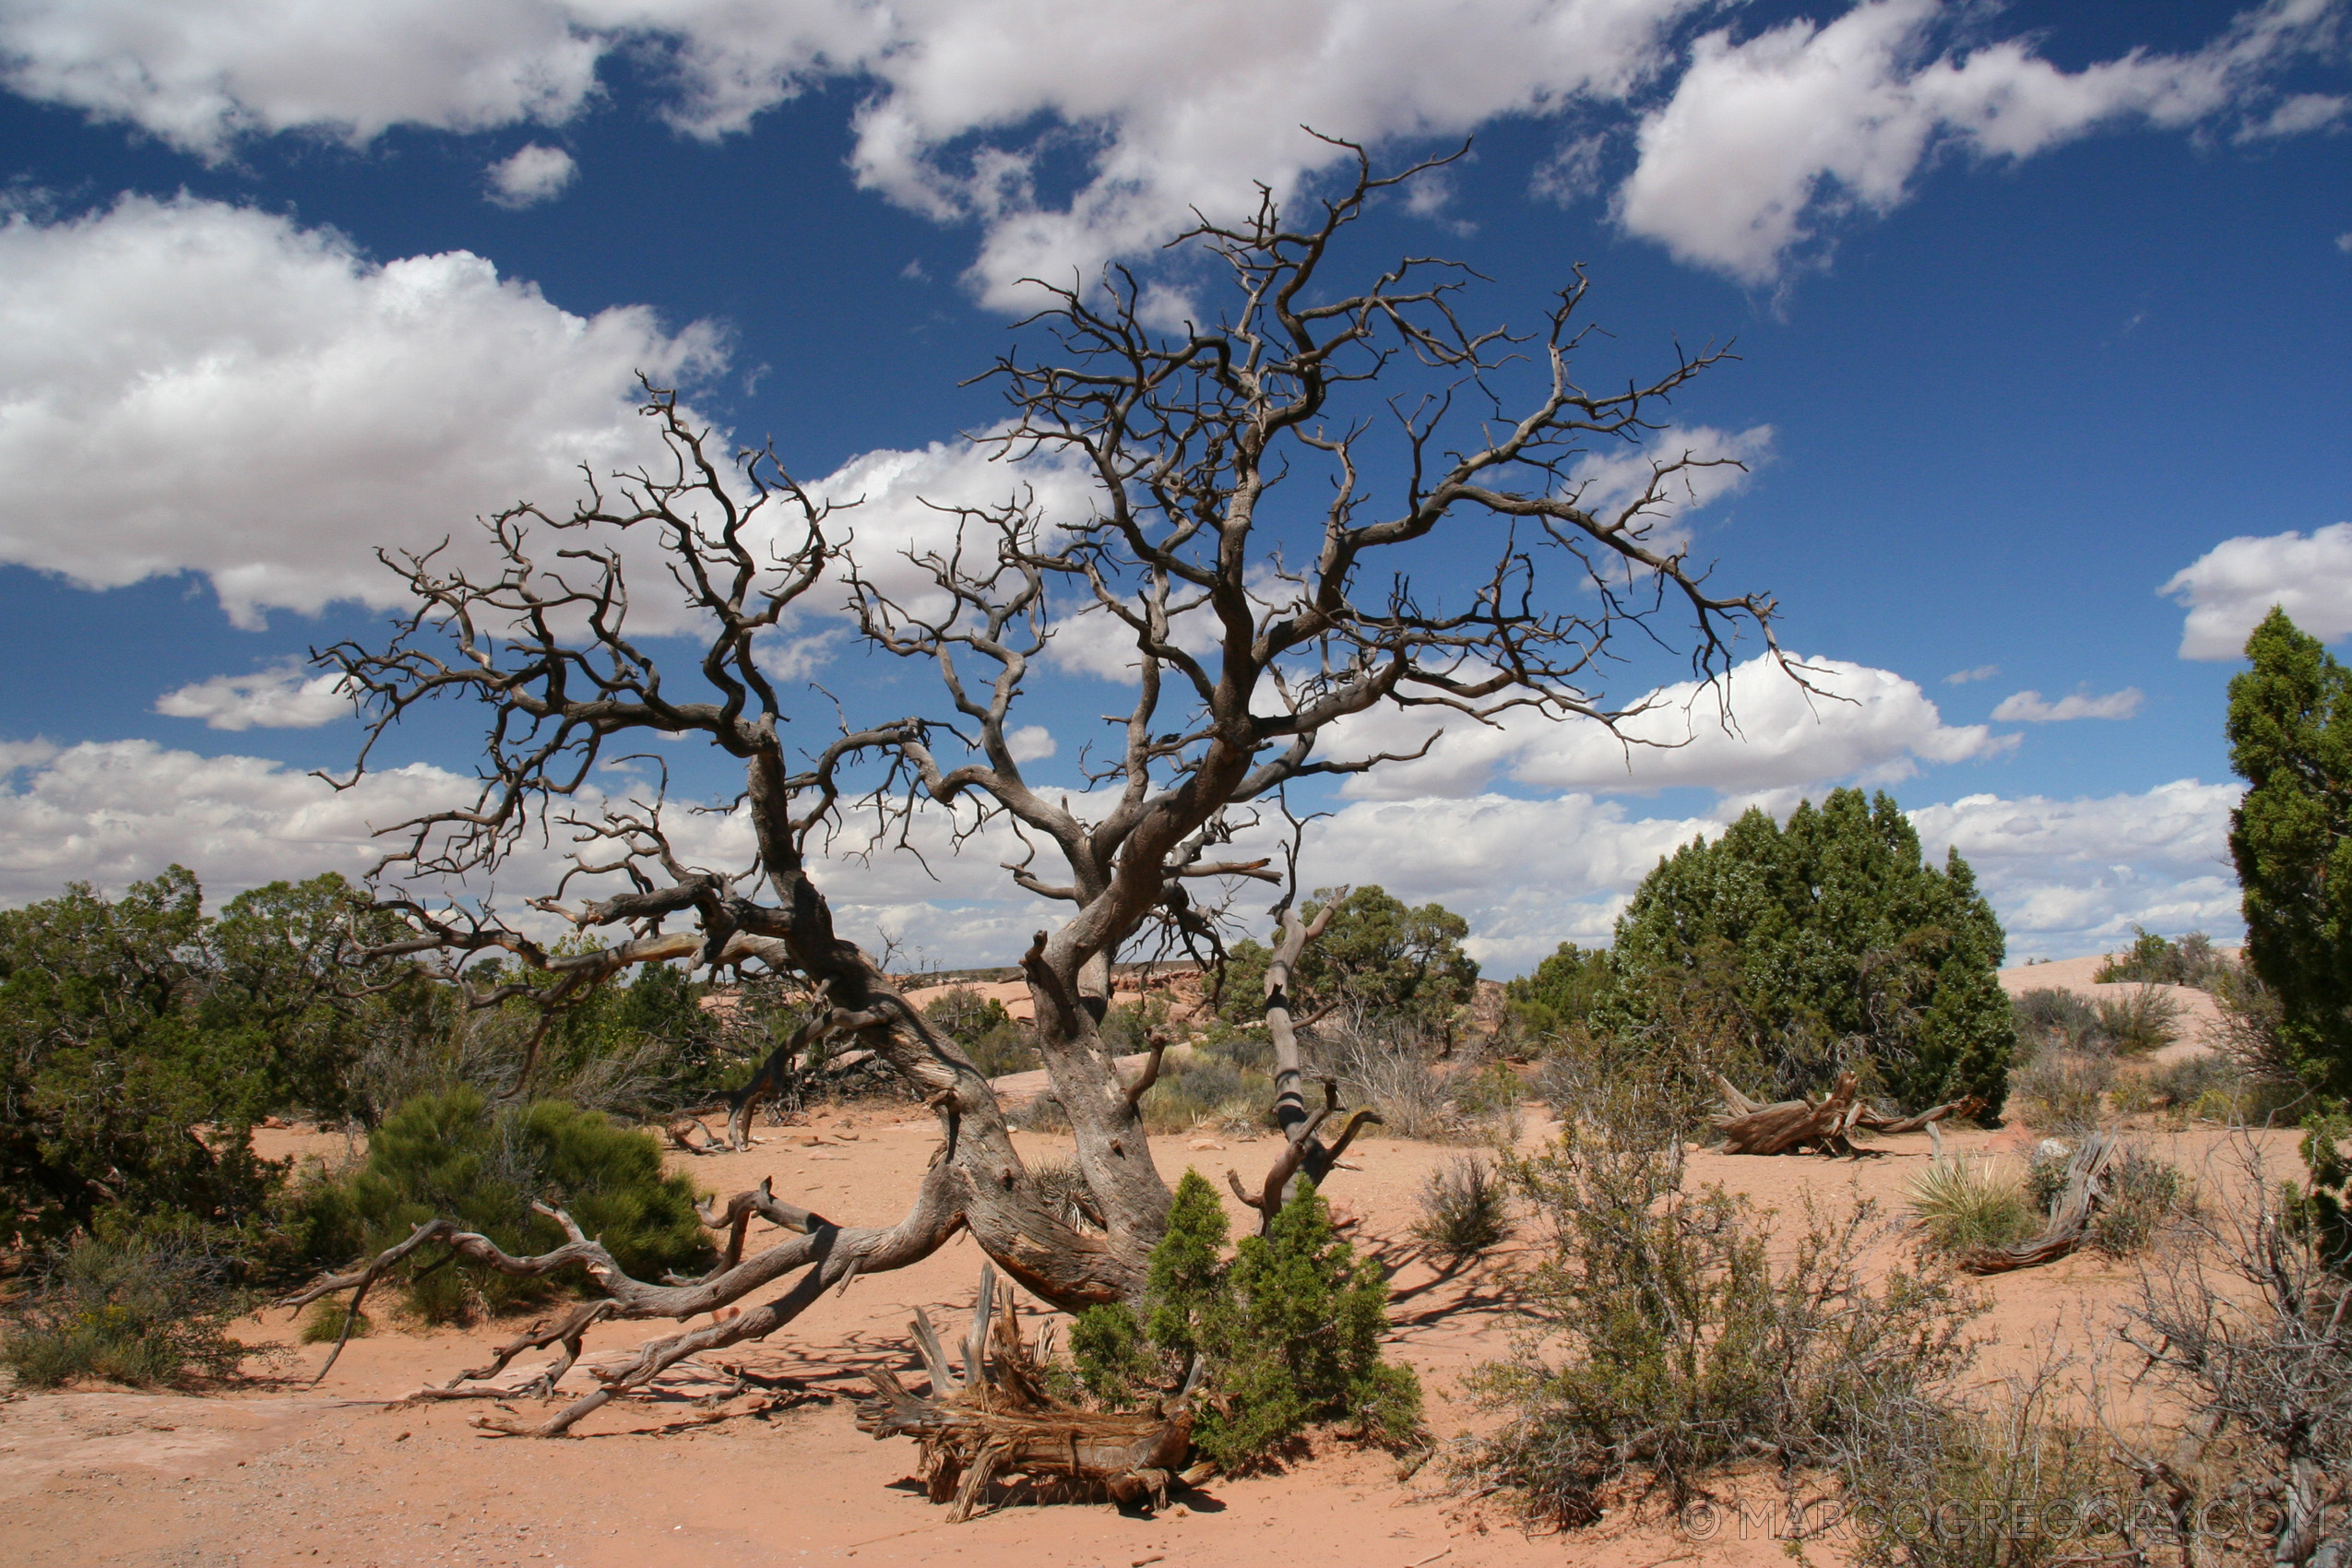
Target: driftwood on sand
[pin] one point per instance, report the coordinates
(1752, 1127)
(996, 1421)
(2069, 1216)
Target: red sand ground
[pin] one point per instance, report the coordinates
(289, 1473)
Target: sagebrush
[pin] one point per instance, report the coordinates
(1667, 1343)
(139, 1311)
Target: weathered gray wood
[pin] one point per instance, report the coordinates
(1750, 1128)
(2069, 1218)
(1008, 1424)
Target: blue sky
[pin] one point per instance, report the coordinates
(2041, 312)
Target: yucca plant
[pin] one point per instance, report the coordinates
(1961, 1204)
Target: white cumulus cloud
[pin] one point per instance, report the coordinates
(533, 174)
(1604, 482)
(2230, 588)
(1752, 144)
(1030, 742)
(1768, 139)
(2073, 876)
(283, 698)
(2065, 876)
(192, 387)
(2030, 707)
(115, 811)
(1858, 723)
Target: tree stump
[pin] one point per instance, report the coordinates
(996, 1421)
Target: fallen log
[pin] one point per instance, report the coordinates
(996, 1421)
(2069, 1218)
(1750, 1128)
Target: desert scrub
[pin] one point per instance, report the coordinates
(1963, 1204)
(140, 1311)
(1288, 1330)
(2138, 1021)
(2008, 1482)
(326, 1321)
(997, 1042)
(1668, 1345)
(1464, 1210)
(2144, 1194)
(1393, 1069)
(1196, 1088)
(2050, 1020)
(451, 1156)
(2151, 959)
(2062, 1093)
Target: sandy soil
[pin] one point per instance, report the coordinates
(287, 1472)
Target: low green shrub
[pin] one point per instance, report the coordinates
(453, 1155)
(1112, 1358)
(140, 1311)
(2151, 959)
(997, 1042)
(1304, 1348)
(1288, 1329)
(1963, 1204)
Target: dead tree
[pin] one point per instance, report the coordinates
(1243, 662)
(2245, 1322)
(1303, 1154)
(1749, 1127)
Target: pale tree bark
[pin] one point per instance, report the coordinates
(1244, 664)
